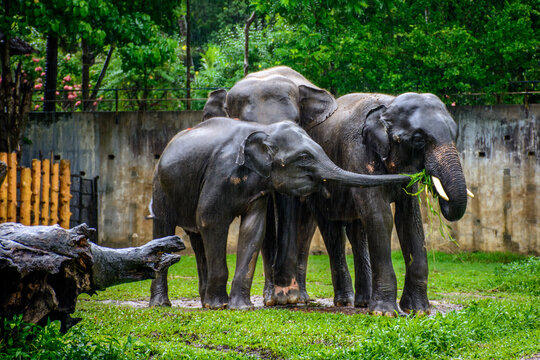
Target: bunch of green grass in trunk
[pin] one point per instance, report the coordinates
(425, 185)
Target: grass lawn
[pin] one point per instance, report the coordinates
(496, 315)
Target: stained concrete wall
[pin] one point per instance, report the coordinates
(499, 148)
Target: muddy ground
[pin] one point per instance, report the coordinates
(317, 305)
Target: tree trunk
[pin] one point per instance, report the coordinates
(43, 269)
(93, 96)
(51, 73)
(87, 61)
(15, 102)
(188, 56)
(246, 45)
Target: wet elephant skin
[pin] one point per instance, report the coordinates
(224, 168)
(269, 96)
(382, 134)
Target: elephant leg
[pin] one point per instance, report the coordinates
(214, 239)
(411, 237)
(202, 267)
(362, 267)
(269, 253)
(252, 230)
(159, 289)
(304, 233)
(282, 288)
(334, 238)
(378, 227)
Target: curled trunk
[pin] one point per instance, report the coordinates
(443, 162)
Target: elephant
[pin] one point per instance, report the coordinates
(269, 96)
(382, 134)
(223, 168)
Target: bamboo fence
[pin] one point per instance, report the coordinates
(43, 194)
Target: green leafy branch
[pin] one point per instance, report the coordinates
(425, 185)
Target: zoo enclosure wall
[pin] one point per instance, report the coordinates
(499, 149)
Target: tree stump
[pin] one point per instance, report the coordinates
(43, 269)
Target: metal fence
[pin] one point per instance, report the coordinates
(170, 99)
(116, 100)
(84, 202)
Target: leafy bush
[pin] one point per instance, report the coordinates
(20, 340)
(519, 277)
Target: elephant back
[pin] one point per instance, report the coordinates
(357, 106)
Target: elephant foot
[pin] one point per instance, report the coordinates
(384, 308)
(344, 299)
(417, 305)
(282, 295)
(361, 301)
(216, 303)
(303, 298)
(159, 300)
(159, 295)
(240, 303)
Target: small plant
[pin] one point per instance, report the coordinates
(20, 340)
(425, 185)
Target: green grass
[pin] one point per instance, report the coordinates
(500, 319)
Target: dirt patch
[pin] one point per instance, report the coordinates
(317, 305)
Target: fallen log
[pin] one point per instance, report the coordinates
(43, 269)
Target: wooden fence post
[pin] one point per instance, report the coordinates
(26, 194)
(3, 192)
(36, 189)
(12, 188)
(45, 192)
(55, 188)
(65, 193)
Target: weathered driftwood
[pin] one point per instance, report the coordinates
(43, 269)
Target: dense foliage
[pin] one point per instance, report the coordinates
(20, 340)
(392, 46)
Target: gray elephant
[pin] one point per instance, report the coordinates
(223, 168)
(269, 96)
(382, 134)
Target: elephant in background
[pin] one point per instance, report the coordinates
(382, 134)
(269, 96)
(223, 168)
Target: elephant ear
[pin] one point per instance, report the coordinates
(375, 132)
(316, 105)
(215, 105)
(256, 153)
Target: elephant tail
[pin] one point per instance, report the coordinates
(152, 215)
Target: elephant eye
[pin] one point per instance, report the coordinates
(418, 141)
(304, 157)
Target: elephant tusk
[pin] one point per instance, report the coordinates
(470, 194)
(439, 188)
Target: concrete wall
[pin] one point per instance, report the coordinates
(499, 147)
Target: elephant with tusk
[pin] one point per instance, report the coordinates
(382, 134)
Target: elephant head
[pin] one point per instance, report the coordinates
(297, 165)
(415, 131)
(272, 95)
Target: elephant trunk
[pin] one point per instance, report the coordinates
(334, 173)
(443, 162)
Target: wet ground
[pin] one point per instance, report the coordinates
(317, 305)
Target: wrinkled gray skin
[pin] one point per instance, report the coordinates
(269, 96)
(224, 168)
(381, 134)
